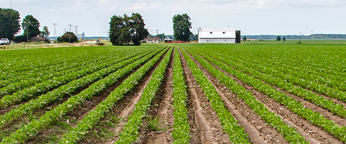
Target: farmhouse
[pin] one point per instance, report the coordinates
(218, 35)
(152, 40)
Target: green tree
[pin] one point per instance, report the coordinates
(244, 38)
(126, 30)
(284, 38)
(45, 32)
(161, 36)
(31, 26)
(181, 27)
(194, 37)
(278, 38)
(68, 37)
(9, 23)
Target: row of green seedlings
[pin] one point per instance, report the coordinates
(181, 128)
(310, 81)
(331, 77)
(94, 116)
(42, 74)
(316, 81)
(229, 124)
(134, 122)
(64, 91)
(280, 80)
(289, 133)
(328, 64)
(32, 128)
(41, 88)
(16, 71)
(267, 76)
(292, 104)
(24, 82)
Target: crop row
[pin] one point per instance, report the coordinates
(181, 128)
(28, 60)
(289, 133)
(229, 123)
(32, 128)
(93, 117)
(310, 77)
(26, 68)
(287, 83)
(328, 76)
(287, 86)
(292, 104)
(134, 122)
(41, 74)
(25, 83)
(46, 86)
(62, 91)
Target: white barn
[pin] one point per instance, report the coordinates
(218, 35)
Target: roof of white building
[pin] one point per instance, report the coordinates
(216, 33)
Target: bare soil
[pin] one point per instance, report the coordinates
(208, 124)
(165, 111)
(72, 117)
(312, 133)
(254, 126)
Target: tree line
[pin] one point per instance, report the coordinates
(312, 36)
(10, 26)
(130, 30)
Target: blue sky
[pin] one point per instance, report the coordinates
(250, 16)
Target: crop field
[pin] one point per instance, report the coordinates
(178, 93)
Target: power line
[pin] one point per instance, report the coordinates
(76, 30)
(70, 27)
(54, 29)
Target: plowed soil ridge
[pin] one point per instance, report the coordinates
(206, 119)
(312, 133)
(254, 126)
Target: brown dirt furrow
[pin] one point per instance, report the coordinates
(124, 108)
(312, 133)
(165, 111)
(205, 118)
(158, 106)
(257, 129)
(327, 114)
(75, 115)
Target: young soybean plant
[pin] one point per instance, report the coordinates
(130, 132)
(229, 124)
(93, 117)
(181, 128)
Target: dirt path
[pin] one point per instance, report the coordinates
(312, 133)
(124, 108)
(165, 110)
(257, 129)
(337, 119)
(206, 119)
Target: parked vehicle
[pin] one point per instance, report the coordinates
(4, 41)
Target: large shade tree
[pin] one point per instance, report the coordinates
(181, 27)
(31, 26)
(9, 23)
(126, 30)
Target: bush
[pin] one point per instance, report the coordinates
(68, 37)
(20, 38)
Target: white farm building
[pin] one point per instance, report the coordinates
(218, 35)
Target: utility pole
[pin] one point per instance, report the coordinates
(10, 4)
(70, 27)
(157, 32)
(54, 30)
(76, 30)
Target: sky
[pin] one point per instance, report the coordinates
(252, 17)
